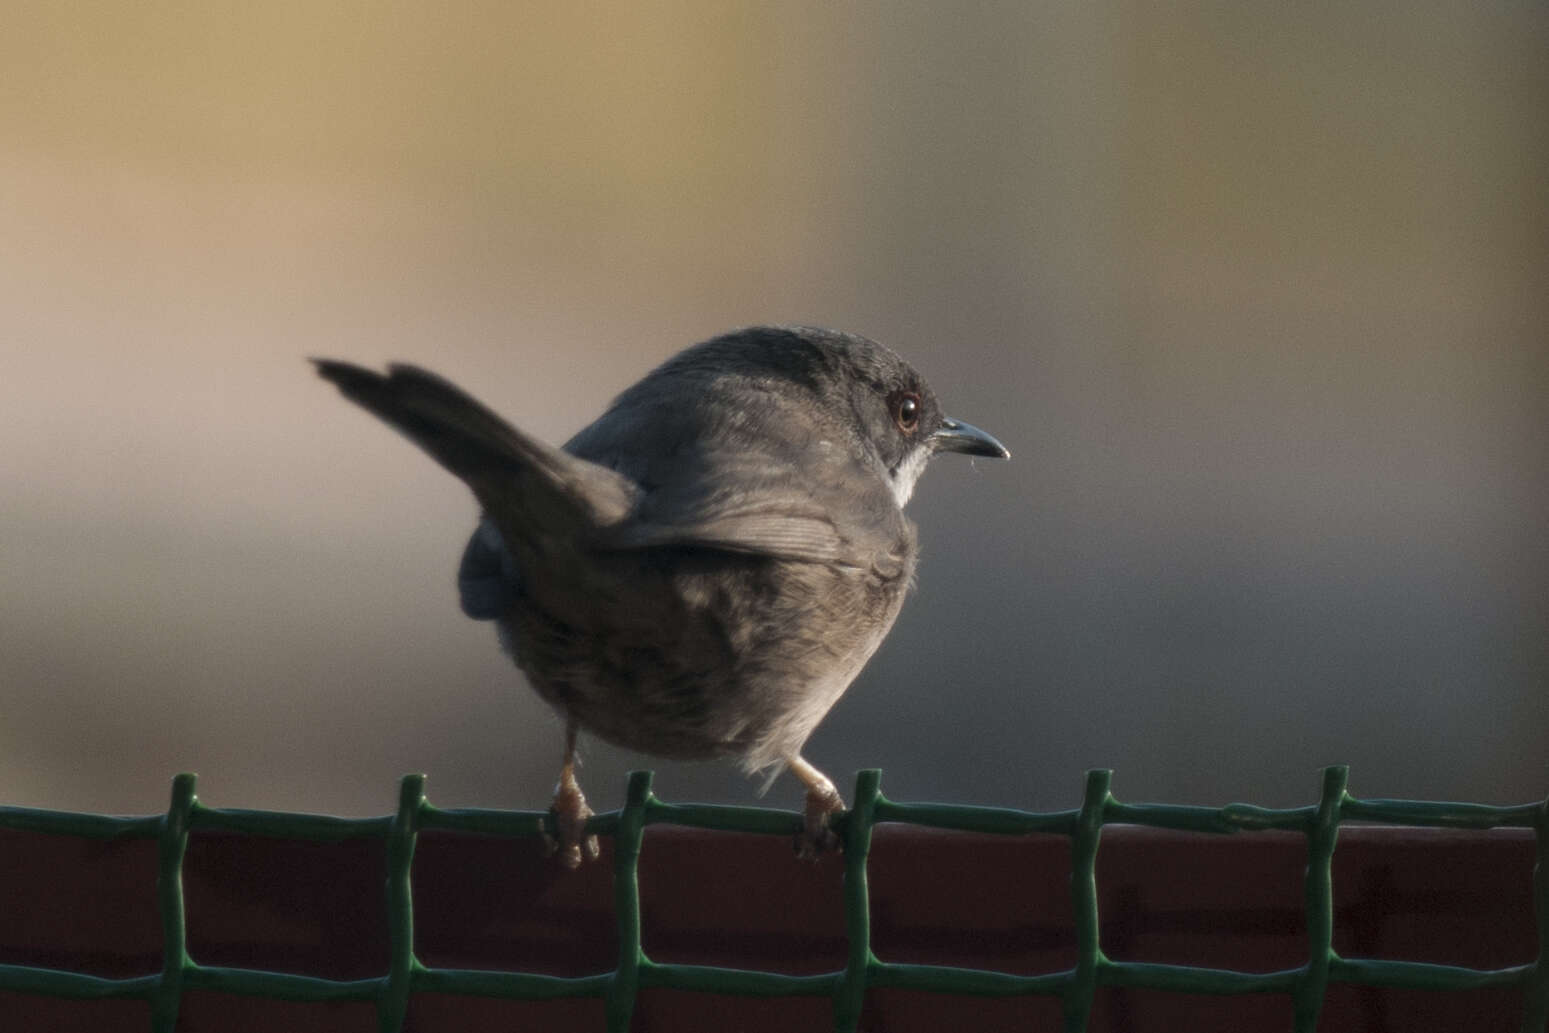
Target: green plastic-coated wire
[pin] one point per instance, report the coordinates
(1081, 990)
(393, 1006)
(1306, 986)
(173, 842)
(850, 993)
(1307, 999)
(1535, 1017)
(625, 987)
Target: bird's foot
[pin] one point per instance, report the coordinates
(816, 836)
(570, 813)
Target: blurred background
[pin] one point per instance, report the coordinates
(1258, 296)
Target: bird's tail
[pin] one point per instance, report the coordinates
(524, 483)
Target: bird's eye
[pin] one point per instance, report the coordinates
(906, 411)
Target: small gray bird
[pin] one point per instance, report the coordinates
(704, 570)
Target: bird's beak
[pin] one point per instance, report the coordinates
(957, 436)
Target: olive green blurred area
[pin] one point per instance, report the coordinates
(1255, 293)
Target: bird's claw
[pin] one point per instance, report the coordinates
(570, 813)
(817, 835)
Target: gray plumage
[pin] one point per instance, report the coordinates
(703, 570)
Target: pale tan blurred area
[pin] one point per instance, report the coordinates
(1256, 294)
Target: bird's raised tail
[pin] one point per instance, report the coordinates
(510, 472)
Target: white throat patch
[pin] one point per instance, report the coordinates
(906, 473)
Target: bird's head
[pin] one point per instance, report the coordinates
(894, 414)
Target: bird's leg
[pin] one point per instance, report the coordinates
(823, 801)
(570, 812)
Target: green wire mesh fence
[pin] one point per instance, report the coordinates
(1075, 988)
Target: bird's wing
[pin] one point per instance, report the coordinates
(533, 491)
(743, 465)
(488, 581)
(748, 503)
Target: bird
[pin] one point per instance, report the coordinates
(703, 570)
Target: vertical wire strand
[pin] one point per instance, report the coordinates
(172, 845)
(850, 993)
(1078, 997)
(1535, 1018)
(625, 987)
(393, 1005)
(1322, 833)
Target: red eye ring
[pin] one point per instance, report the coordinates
(906, 411)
